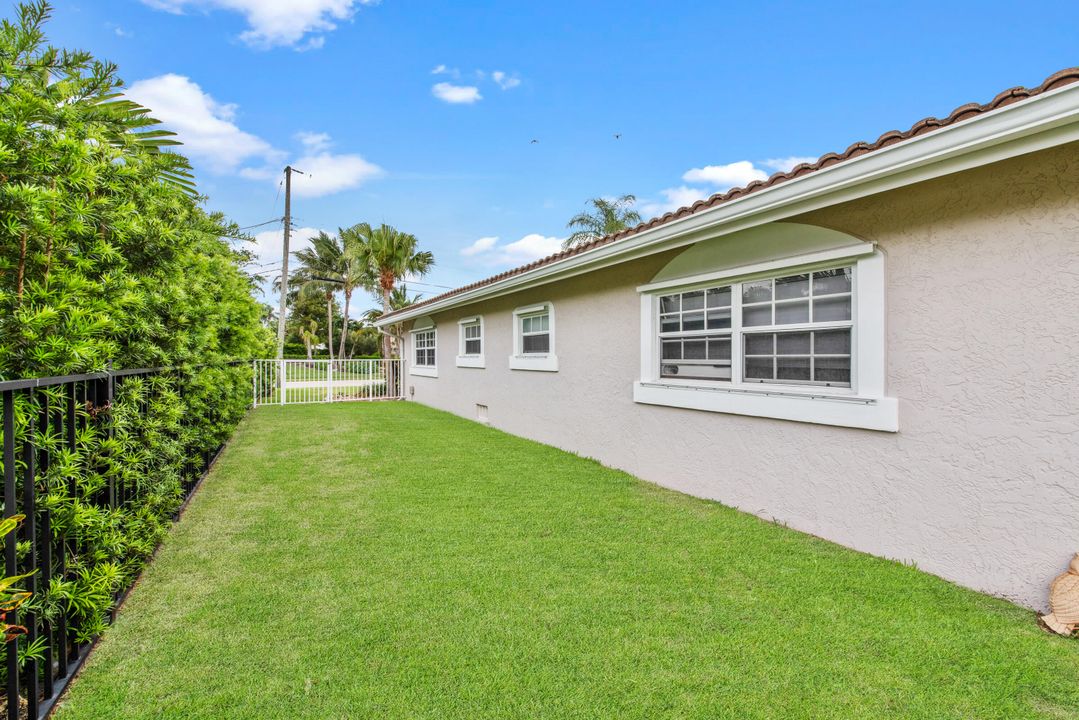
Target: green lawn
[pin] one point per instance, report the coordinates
(384, 560)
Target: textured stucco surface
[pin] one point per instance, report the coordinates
(981, 484)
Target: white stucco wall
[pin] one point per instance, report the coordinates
(981, 484)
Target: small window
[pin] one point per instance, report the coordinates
(470, 345)
(424, 343)
(472, 338)
(536, 334)
(534, 339)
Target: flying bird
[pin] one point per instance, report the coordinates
(618, 136)
(534, 141)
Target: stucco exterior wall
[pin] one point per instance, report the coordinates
(981, 484)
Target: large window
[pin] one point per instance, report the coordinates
(793, 329)
(534, 338)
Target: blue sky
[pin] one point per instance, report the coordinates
(705, 95)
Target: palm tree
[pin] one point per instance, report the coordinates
(399, 300)
(320, 271)
(610, 216)
(391, 255)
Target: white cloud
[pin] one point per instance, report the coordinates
(276, 22)
(205, 126)
(724, 177)
(506, 82)
(482, 245)
(209, 135)
(787, 163)
(531, 247)
(325, 173)
(456, 94)
(268, 244)
(446, 70)
(313, 141)
(673, 198)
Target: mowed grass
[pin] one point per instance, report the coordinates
(391, 561)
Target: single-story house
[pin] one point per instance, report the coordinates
(880, 347)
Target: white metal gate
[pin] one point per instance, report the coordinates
(292, 382)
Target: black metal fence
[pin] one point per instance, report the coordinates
(62, 408)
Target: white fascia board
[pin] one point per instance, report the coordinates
(1037, 123)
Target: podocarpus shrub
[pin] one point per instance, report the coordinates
(106, 253)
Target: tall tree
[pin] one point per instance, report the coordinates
(607, 217)
(391, 255)
(319, 271)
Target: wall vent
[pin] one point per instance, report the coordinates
(481, 413)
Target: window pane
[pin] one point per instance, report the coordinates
(831, 342)
(472, 331)
(419, 356)
(792, 344)
(669, 303)
(719, 348)
(833, 370)
(542, 323)
(828, 309)
(719, 319)
(719, 297)
(536, 343)
(759, 344)
(670, 323)
(693, 300)
(526, 324)
(789, 313)
(694, 349)
(792, 368)
(759, 291)
(472, 347)
(672, 349)
(693, 321)
(795, 286)
(761, 315)
(827, 282)
(430, 357)
(758, 369)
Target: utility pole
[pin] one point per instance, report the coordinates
(284, 262)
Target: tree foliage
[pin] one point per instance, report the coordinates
(607, 217)
(106, 254)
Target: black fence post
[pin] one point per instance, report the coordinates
(29, 504)
(10, 558)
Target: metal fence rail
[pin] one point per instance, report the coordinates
(295, 382)
(60, 409)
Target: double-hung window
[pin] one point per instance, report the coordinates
(804, 344)
(534, 338)
(470, 353)
(424, 349)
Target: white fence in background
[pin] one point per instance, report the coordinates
(294, 382)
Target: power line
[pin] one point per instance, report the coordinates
(268, 222)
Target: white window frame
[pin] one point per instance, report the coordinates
(543, 362)
(862, 405)
(413, 367)
(473, 360)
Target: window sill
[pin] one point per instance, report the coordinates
(779, 403)
(541, 363)
(471, 361)
(423, 371)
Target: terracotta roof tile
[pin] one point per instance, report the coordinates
(892, 137)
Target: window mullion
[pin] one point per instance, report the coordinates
(736, 334)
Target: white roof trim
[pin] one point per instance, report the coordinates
(1043, 121)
